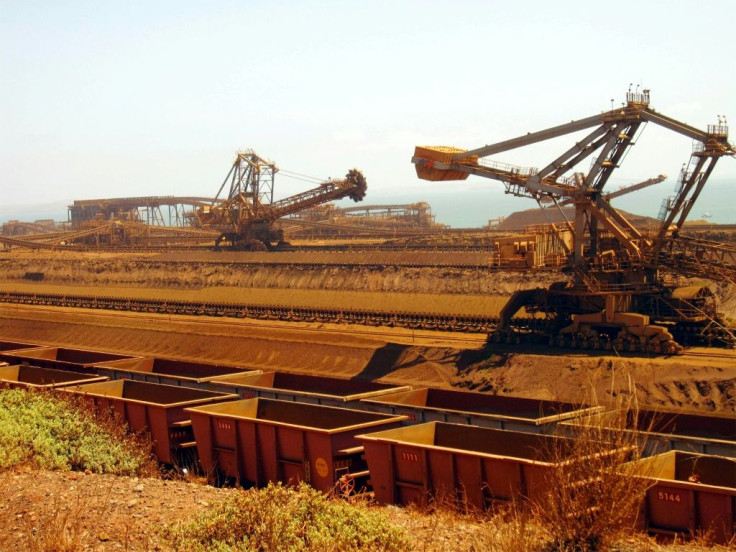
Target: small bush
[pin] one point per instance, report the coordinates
(52, 431)
(279, 518)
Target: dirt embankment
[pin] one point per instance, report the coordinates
(675, 383)
(689, 383)
(286, 347)
(88, 269)
(81, 511)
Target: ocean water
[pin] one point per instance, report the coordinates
(471, 204)
(464, 208)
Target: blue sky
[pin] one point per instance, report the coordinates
(110, 99)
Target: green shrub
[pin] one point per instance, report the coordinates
(50, 431)
(279, 518)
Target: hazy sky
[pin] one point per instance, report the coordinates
(111, 99)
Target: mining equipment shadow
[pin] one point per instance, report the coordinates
(383, 362)
(491, 359)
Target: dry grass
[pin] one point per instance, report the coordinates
(57, 527)
(703, 540)
(595, 494)
(65, 525)
(511, 529)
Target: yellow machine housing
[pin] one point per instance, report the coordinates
(441, 154)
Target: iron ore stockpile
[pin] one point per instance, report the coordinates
(371, 349)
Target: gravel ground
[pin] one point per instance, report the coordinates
(108, 513)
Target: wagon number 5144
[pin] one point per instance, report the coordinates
(668, 497)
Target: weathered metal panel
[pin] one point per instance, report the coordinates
(465, 407)
(303, 388)
(661, 431)
(33, 376)
(14, 346)
(75, 360)
(475, 465)
(690, 493)
(169, 371)
(261, 440)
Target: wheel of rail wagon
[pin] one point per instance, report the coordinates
(346, 485)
